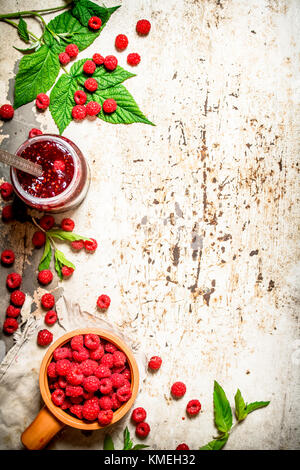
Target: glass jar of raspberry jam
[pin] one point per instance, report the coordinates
(66, 175)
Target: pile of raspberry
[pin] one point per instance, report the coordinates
(89, 378)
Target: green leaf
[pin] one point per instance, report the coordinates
(84, 9)
(23, 31)
(108, 443)
(240, 406)
(139, 447)
(60, 261)
(256, 405)
(222, 409)
(62, 101)
(63, 235)
(216, 444)
(46, 258)
(106, 79)
(127, 441)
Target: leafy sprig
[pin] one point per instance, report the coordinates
(108, 443)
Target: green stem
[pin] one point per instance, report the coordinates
(17, 14)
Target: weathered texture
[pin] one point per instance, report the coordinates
(197, 219)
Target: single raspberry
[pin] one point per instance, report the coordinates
(67, 271)
(7, 257)
(182, 446)
(109, 106)
(91, 84)
(80, 97)
(193, 407)
(62, 352)
(133, 59)
(53, 384)
(62, 382)
(118, 380)
(8, 213)
(96, 354)
(106, 386)
(13, 280)
(115, 402)
(72, 50)
(89, 67)
(98, 59)
(90, 409)
(34, 132)
(48, 301)
(58, 397)
(75, 375)
(107, 360)
(138, 415)
(178, 389)
(142, 430)
(46, 222)
(95, 22)
(103, 302)
(93, 108)
(119, 358)
(17, 298)
(155, 363)
(63, 367)
(76, 410)
(110, 347)
(39, 239)
(118, 370)
(79, 112)
(44, 337)
(42, 101)
(90, 245)
(10, 325)
(12, 311)
(88, 395)
(102, 371)
(121, 42)
(6, 112)
(110, 62)
(66, 404)
(45, 276)
(77, 342)
(50, 317)
(81, 355)
(6, 190)
(51, 370)
(124, 393)
(88, 367)
(77, 245)
(143, 27)
(105, 403)
(105, 417)
(59, 165)
(67, 225)
(91, 341)
(91, 383)
(64, 58)
(74, 391)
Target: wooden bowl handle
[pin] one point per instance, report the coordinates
(41, 430)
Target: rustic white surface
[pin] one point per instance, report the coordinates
(197, 218)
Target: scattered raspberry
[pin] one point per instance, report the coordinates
(117, 380)
(63, 367)
(81, 355)
(6, 190)
(142, 430)
(91, 84)
(93, 108)
(121, 42)
(178, 389)
(109, 106)
(61, 353)
(110, 347)
(12, 311)
(44, 337)
(98, 59)
(45, 276)
(124, 393)
(67, 225)
(58, 397)
(10, 325)
(77, 245)
(72, 50)
(133, 59)
(105, 403)
(105, 417)
(95, 22)
(103, 302)
(51, 317)
(193, 407)
(76, 410)
(13, 280)
(6, 112)
(90, 245)
(42, 101)
(39, 239)
(51, 370)
(107, 360)
(110, 62)
(89, 67)
(46, 222)
(97, 353)
(102, 371)
(182, 446)
(155, 363)
(91, 341)
(115, 402)
(91, 383)
(64, 58)
(48, 301)
(8, 213)
(34, 132)
(90, 409)
(77, 342)
(67, 271)
(74, 391)
(143, 27)
(80, 97)
(106, 386)
(7, 257)
(75, 375)
(17, 298)
(88, 367)
(119, 358)
(79, 112)
(138, 415)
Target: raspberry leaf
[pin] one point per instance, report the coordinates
(104, 78)
(63, 235)
(108, 443)
(46, 258)
(240, 406)
(222, 409)
(216, 444)
(23, 31)
(60, 261)
(84, 9)
(62, 101)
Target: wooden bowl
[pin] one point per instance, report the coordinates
(51, 418)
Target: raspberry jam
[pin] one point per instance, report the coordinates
(65, 178)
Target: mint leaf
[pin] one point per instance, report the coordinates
(216, 444)
(240, 406)
(127, 441)
(63, 235)
(60, 261)
(84, 9)
(256, 405)
(108, 443)
(139, 447)
(23, 31)
(222, 409)
(46, 258)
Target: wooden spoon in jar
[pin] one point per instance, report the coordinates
(20, 163)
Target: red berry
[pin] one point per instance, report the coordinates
(77, 342)
(62, 352)
(79, 112)
(89, 67)
(6, 190)
(133, 59)
(39, 239)
(67, 225)
(42, 101)
(72, 50)
(124, 393)
(51, 370)
(12, 311)
(119, 358)
(154, 363)
(105, 417)
(63, 367)
(90, 409)
(76, 410)
(143, 27)
(77, 245)
(81, 355)
(93, 108)
(74, 391)
(117, 380)
(80, 97)
(178, 389)
(45, 276)
(103, 302)
(97, 353)
(10, 325)
(95, 22)
(110, 348)
(91, 341)
(75, 375)
(127, 374)
(59, 165)
(88, 367)
(91, 84)
(64, 58)
(98, 59)
(121, 42)
(7, 213)
(106, 386)
(91, 383)
(193, 407)
(17, 298)
(90, 245)
(138, 415)
(67, 271)
(48, 301)
(142, 430)
(110, 62)
(13, 280)
(51, 317)
(6, 112)
(34, 132)
(44, 337)
(58, 397)
(102, 371)
(107, 360)
(115, 402)
(182, 446)
(7, 257)
(47, 222)
(109, 106)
